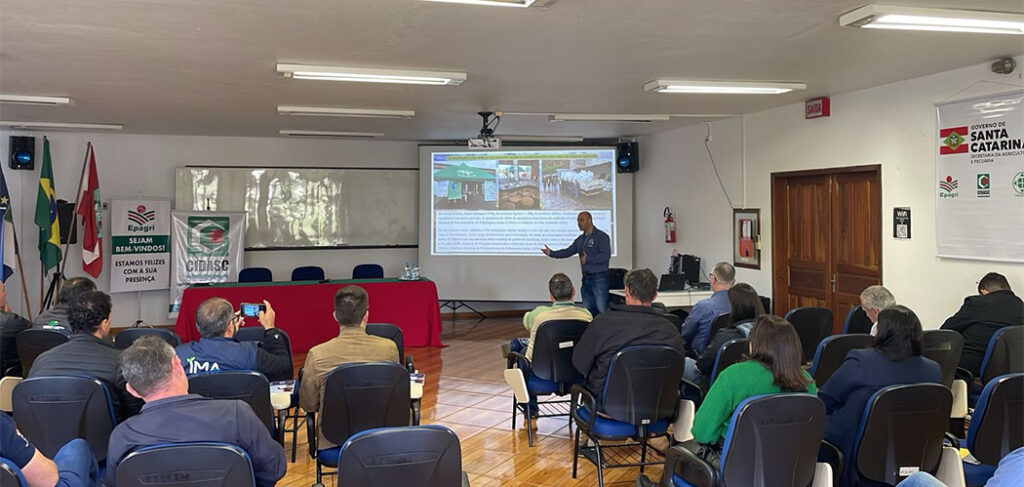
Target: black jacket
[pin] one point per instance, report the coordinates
(620, 326)
(10, 325)
(979, 318)
(86, 355)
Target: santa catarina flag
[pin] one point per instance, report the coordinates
(46, 214)
(89, 209)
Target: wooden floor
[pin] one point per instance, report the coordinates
(465, 391)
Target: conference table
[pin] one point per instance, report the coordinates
(674, 299)
(305, 309)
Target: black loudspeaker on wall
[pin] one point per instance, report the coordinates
(68, 226)
(629, 157)
(23, 152)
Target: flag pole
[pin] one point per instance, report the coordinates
(21, 271)
(78, 199)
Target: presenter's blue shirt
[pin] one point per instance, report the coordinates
(596, 244)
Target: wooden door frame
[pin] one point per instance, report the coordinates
(778, 244)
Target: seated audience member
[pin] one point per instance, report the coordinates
(73, 466)
(894, 359)
(873, 299)
(981, 316)
(217, 350)
(633, 323)
(745, 305)
(774, 367)
(69, 291)
(1008, 474)
(89, 352)
(172, 415)
(697, 327)
(353, 344)
(10, 325)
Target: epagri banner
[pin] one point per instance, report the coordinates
(140, 245)
(979, 187)
(207, 248)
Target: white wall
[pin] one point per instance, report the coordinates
(143, 165)
(892, 125)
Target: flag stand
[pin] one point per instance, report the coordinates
(58, 276)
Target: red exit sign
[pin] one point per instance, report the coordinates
(817, 108)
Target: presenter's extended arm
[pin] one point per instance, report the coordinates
(569, 251)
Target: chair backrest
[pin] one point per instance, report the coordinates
(944, 347)
(642, 386)
(766, 303)
(812, 325)
(368, 271)
(362, 396)
(1003, 355)
(255, 334)
(10, 474)
(308, 273)
(552, 350)
(51, 411)
(731, 352)
(127, 336)
(255, 274)
(997, 426)
(410, 456)
(391, 332)
(773, 440)
(205, 464)
(857, 321)
(832, 352)
(250, 387)
(32, 342)
(617, 278)
(720, 322)
(674, 318)
(902, 430)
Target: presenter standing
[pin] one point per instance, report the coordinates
(595, 249)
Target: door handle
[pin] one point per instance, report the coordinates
(833, 281)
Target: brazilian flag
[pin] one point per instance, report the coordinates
(46, 214)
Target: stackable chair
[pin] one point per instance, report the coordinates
(1002, 357)
(832, 352)
(255, 334)
(10, 474)
(945, 348)
(127, 336)
(997, 426)
(368, 271)
(208, 464)
(720, 322)
(308, 273)
(731, 352)
(255, 274)
(550, 372)
(857, 321)
(812, 324)
(32, 342)
(416, 456)
(249, 387)
(393, 333)
(51, 411)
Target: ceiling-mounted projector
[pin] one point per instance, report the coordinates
(486, 138)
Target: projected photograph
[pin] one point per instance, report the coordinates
(519, 184)
(468, 185)
(584, 184)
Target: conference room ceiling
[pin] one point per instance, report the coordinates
(207, 67)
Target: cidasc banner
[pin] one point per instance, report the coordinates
(979, 192)
(207, 248)
(140, 245)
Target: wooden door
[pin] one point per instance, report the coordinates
(826, 238)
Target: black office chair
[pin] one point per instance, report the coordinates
(207, 464)
(250, 387)
(550, 372)
(358, 397)
(255, 334)
(616, 280)
(772, 440)
(766, 303)
(51, 411)
(255, 274)
(393, 333)
(368, 271)
(308, 273)
(10, 474)
(31, 343)
(901, 432)
(944, 347)
(857, 321)
(720, 322)
(127, 336)
(997, 427)
(676, 320)
(639, 399)
(812, 325)
(832, 352)
(418, 456)
(1002, 357)
(732, 352)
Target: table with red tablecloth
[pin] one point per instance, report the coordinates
(305, 310)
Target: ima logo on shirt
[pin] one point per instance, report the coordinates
(954, 140)
(194, 366)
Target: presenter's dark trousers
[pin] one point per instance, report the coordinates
(595, 292)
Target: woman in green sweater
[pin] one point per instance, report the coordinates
(774, 367)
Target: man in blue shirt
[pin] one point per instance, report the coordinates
(697, 328)
(595, 250)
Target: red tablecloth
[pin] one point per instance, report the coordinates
(306, 310)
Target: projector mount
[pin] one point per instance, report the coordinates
(491, 121)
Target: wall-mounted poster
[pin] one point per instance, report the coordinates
(746, 251)
(140, 248)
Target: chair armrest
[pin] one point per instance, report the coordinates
(514, 357)
(688, 466)
(311, 433)
(692, 391)
(964, 374)
(579, 392)
(953, 440)
(831, 454)
(960, 396)
(408, 364)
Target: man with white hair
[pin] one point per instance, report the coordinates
(873, 299)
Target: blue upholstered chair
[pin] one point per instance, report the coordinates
(832, 352)
(308, 273)
(255, 274)
(997, 426)
(209, 464)
(418, 456)
(368, 271)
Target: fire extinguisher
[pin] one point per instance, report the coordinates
(670, 226)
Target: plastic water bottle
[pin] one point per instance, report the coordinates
(415, 271)
(407, 273)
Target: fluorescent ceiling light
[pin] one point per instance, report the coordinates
(608, 117)
(330, 134)
(721, 87)
(492, 3)
(61, 126)
(35, 100)
(933, 19)
(366, 75)
(540, 138)
(343, 112)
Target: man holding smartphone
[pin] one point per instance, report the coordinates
(217, 350)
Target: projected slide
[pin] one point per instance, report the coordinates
(515, 202)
